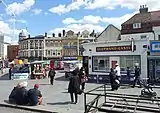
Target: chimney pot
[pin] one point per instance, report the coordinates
(45, 34)
(59, 34)
(53, 35)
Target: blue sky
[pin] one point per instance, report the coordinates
(51, 16)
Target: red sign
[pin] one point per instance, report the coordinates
(115, 48)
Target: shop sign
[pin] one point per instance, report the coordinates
(70, 58)
(115, 48)
(155, 46)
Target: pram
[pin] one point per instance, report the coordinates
(147, 90)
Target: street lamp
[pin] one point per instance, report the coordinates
(13, 15)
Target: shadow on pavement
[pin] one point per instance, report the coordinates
(4, 77)
(62, 78)
(59, 103)
(44, 84)
(7, 101)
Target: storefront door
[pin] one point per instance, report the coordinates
(151, 69)
(113, 60)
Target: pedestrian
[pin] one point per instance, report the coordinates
(21, 94)
(34, 96)
(118, 72)
(74, 87)
(83, 78)
(137, 75)
(51, 75)
(128, 74)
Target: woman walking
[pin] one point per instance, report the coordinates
(74, 87)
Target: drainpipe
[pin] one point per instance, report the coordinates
(154, 35)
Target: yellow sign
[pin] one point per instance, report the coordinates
(80, 57)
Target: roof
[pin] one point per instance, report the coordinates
(144, 17)
(106, 29)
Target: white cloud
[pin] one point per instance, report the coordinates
(18, 8)
(91, 22)
(79, 27)
(105, 4)
(8, 32)
(37, 11)
(130, 4)
(19, 21)
(61, 9)
(90, 19)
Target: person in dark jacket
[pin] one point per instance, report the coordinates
(12, 96)
(83, 77)
(128, 73)
(21, 94)
(74, 87)
(137, 75)
(51, 75)
(34, 96)
(113, 79)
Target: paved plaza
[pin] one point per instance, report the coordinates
(56, 98)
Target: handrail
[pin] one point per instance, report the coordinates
(118, 97)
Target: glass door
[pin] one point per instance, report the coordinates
(151, 69)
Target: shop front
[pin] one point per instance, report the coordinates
(103, 56)
(154, 61)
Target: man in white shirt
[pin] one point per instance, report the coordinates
(118, 71)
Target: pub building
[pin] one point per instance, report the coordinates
(104, 55)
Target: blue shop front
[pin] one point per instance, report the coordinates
(154, 61)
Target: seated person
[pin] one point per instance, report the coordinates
(21, 94)
(34, 96)
(12, 96)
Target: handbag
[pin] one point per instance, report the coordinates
(84, 79)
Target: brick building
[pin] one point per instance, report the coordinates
(12, 52)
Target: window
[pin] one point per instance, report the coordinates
(143, 36)
(53, 52)
(129, 61)
(158, 37)
(101, 63)
(136, 25)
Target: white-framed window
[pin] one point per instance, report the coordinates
(136, 25)
(129, 61)
(101, 63)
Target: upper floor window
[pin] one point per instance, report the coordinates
(143, 36)
(136, 25)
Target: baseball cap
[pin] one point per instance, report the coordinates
(36, 86)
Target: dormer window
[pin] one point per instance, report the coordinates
(136, 25)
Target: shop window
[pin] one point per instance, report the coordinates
(158, 37)
(100, 63)
(129, 61)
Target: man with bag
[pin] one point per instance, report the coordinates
(51, 75)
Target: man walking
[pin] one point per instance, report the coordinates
(137, 75)
(51, 75)
(118, 72)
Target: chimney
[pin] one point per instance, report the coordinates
(59, 34)
(45, 34)
(143, 9)
(29, 36)
(53, 35)
(64, 32)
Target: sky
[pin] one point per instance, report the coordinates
(52, 16)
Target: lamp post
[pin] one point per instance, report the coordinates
(14, 18)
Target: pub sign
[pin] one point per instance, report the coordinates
(115, 48)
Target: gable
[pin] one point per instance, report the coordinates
(110, 33)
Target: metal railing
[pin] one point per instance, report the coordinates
(119, 101)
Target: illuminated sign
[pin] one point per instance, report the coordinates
(115, 48)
